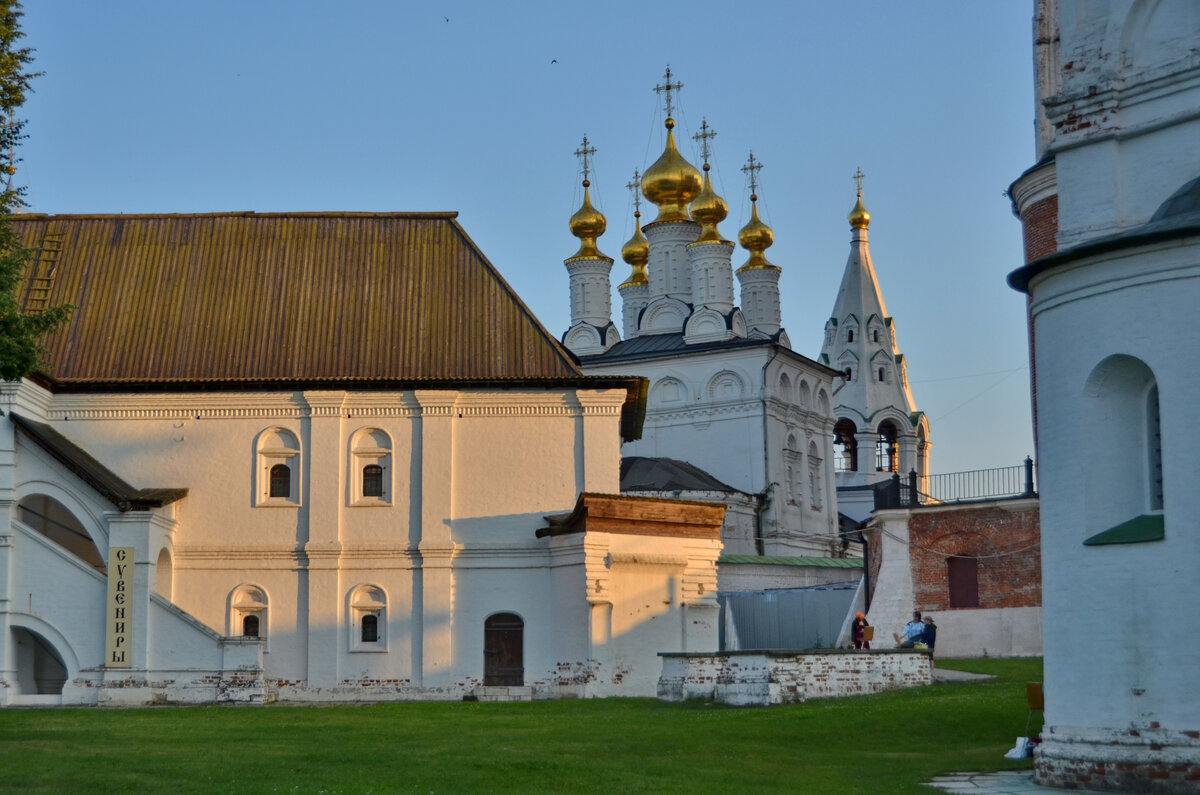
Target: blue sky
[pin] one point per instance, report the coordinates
(478, 107)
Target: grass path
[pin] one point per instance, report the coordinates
(890, 742)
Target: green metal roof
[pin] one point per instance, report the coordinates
(1149, 527)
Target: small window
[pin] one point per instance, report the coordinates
(849, 374)
(249, 613)
(250, 626)
(281, 481)
(850, 335)
(370, 628)
(881, 375)
(874, 335)
(368, 619)
(278, 470)
(372, 481)
(370, 469)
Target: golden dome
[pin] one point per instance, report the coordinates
(709, 209)
(587, 224)
(859, 217)
(756, 237)
(672, 182)
(635, 252)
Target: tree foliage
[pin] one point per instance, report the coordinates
(20, 333)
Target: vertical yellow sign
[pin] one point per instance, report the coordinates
(119, 615)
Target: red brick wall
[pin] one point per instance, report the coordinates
(1012, 580)
(1039, 225)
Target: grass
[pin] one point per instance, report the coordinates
(890, 742)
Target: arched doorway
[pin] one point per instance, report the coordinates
(40, 669)
(504, 650)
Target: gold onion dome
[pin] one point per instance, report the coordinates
(859, 217)
(709, 209)
(587, 224)
(636, 252)
(756, 237)
(672, 182)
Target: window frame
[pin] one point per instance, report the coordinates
(367, 601)
(277, 446)
(371, 446)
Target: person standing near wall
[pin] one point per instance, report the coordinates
(858, 632)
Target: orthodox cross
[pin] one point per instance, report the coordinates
(858, 176)
(668, 87)
(584, 152)
(705, 135)
(635, 186)
(752, 168)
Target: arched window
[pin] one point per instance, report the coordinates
(372, 476)
(371, 468)
(886, 448)
(248, 612)
(874, 335)
(281, 481)
(368, 619)
(1124, 463)
(850, 335)
(250, 626)
(278, 452)
(845, 446)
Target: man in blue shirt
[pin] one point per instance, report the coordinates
(911, 633)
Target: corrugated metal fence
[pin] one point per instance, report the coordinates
(792, 618)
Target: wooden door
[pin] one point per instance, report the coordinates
(504, 650)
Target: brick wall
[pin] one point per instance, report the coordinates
(1039, 224)
(1008, 581)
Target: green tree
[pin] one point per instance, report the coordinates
(21, 333)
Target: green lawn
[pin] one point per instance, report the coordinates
(886, 743)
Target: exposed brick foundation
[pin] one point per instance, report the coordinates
(756, 677)
(1150, 761)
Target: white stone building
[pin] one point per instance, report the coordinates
(1116, 192)
(879, 431)
(308, 456)
(727, 393)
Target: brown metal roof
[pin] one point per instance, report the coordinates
(290, 297)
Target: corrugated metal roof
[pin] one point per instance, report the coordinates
(296, 297)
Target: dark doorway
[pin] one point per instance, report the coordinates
(504, 650)
(964, 581)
